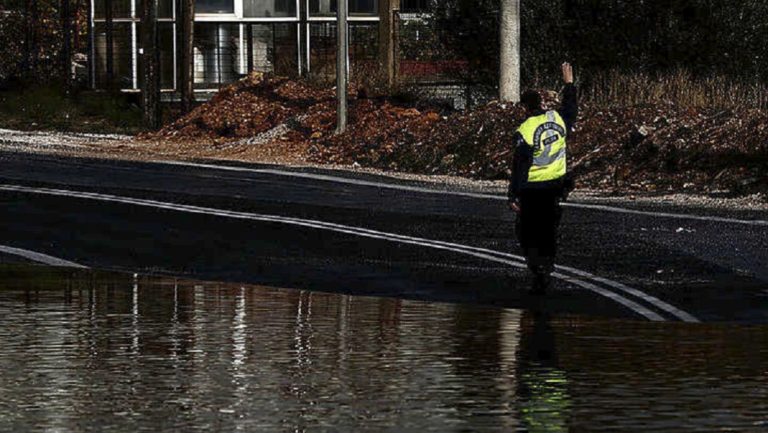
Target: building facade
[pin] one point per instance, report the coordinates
(231, 38)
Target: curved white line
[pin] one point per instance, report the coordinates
(40, 257)
(467, 250)
(339, 179)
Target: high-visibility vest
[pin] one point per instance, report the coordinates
(546, 134)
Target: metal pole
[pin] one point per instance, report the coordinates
(509, 65)
(342, 53)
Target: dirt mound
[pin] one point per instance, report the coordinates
(652, 148)
(246, 108)
(649, 148)
(666, 148)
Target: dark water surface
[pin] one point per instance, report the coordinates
(105, 352)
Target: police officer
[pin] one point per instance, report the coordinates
(540, 178)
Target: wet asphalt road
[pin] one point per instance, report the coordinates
(314, 233)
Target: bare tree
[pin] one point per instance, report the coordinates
(509, 65)
(66, 46)
(31, 18)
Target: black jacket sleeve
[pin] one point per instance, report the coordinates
(569, 110)
(521, 165)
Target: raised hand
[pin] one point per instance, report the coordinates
(567, 73)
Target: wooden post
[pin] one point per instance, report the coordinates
(304, 49)
(150, 94)
(342, 71)
(249, 45)
(91, 48)
(388, 10)
(509, 65)
(109, 29)
(186, 54)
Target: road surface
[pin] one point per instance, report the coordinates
(372, 235)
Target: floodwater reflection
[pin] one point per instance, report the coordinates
(82, 351)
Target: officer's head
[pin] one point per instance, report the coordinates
(531, 100)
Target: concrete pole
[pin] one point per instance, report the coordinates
(509, 65)
(342, 73)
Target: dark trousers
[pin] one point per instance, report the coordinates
(537, 227)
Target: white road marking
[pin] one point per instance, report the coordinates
(345, 180)
(491, 255)
(40, 257)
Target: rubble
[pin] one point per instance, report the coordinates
(654, 148)
(247, 108)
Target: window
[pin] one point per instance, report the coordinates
(322, 7)
(269, 8)
(120, 8)
(214, 6)
(414, 6)
(363, 7)
(121, 54)
(356, 7)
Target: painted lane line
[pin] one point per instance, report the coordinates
(760, 223)
(40, 257)
(355, 231)
(329, 178)
(656, 302)
(650, 299)
(671, 309)
(339, 179)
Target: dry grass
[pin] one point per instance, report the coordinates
(680, 88)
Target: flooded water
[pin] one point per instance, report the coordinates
(113, 353)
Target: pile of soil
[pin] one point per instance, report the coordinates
(652, 148)
(246, 108)
(668, 148)
(645, 148)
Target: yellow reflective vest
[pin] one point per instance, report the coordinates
(546, 134)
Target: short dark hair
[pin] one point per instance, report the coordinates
(531, 100)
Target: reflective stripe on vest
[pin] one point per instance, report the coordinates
(546, 134)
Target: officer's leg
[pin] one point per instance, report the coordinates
(534, 225)
(550, 231)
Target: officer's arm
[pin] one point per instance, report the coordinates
(521, 165)
(569, 110)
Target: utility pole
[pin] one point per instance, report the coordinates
(509, 65)
(150, 95)
(342, 73)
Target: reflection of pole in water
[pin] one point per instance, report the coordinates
(544, 402)
(239, 331)
(239, 352)
(174, 332)
(303, 330)
(135, 317)
(509, 341)
(344, 301)
(198, 321)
